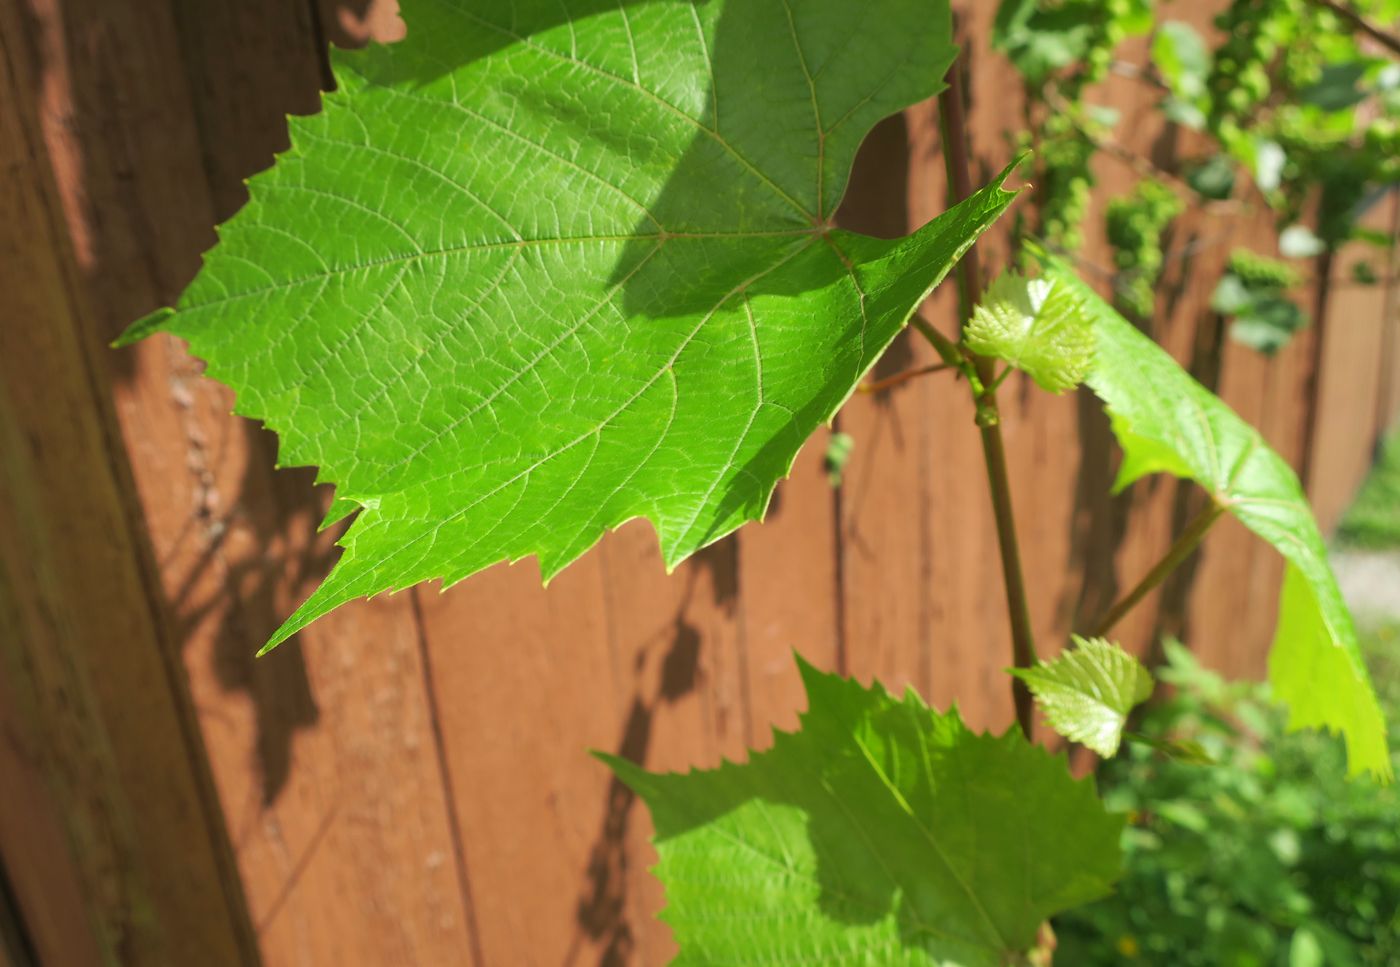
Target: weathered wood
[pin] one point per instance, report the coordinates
(886, 557)
(524, 684)
(347, 802)
(110, 833)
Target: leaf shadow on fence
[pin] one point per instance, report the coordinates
(661, 678)
(143, 172)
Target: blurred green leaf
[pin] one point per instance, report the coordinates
(1168, 422)
(838, 452)
(1299, 242)
(1267, 323)
(1213, 178)
(1182, 59)
(1338, 88)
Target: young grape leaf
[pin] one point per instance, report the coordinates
(1037, 326)
(1040, 40)
(1168, 422)
(1254, 291)
(875, 834)
(1184, 61)
(1086, 693)
(542, 268)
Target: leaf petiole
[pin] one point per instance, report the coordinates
(1181, 549)
(953, 121)
(890, 382)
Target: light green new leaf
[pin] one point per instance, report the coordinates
(1036, 325)
(546, 267)
(1168, 422)
(876, 834)
(1087, 692)
(1183, 59)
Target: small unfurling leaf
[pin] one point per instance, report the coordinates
(1037, 325)
(1086, 693)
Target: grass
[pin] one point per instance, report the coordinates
(1373, 521)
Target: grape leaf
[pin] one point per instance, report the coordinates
(1168, 422)
(1183, 60)
(543, 268)
(881, 832)
(1087, 692)
(1036, 326)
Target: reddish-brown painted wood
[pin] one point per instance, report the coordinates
(789, 594)
(324, 757)
(1355, 338)
(524, 683)
(109, 830)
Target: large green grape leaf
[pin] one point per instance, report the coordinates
(1168, 422)
(548, 266)
(882, 833)
(1087, 692)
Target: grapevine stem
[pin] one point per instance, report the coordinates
(889, 382)
(947, 350)
(1181, 549)
(955, 155)
(1358, 22)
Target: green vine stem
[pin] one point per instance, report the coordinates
(1186, 542)
(1360, 23)
(898, 379)
(969, 282)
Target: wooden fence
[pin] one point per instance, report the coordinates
(406, 783)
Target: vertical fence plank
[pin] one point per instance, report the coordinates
(1351, 381)
(324, 753)
(884, 495)
(679, 653)
(1388, 405)
(525, 684)
(347, 796)
(789, 593)
(91, 684)
(614, 655)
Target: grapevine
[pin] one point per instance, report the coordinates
(1136, 225)
(1302, 107)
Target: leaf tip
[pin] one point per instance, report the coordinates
(151, 323)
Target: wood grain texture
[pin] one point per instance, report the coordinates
(1388, 402)
(165, 112)
(130, 864)
(884, 495)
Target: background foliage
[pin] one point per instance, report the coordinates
(1284, 105)
(1270, 856)
(1373, 521)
